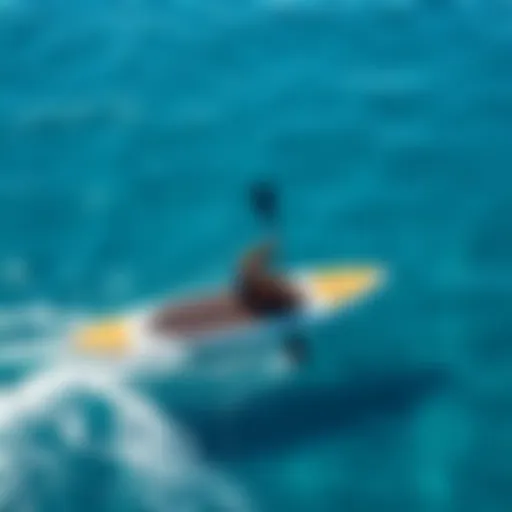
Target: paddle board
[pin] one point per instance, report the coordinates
(183, 328)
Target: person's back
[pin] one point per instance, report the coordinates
(259, 290)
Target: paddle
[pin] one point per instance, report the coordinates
(265, 204)
(264, 201)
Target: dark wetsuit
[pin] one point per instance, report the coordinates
(261, 292)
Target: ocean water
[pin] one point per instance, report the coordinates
(130, 131)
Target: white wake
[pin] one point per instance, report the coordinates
(62, 421)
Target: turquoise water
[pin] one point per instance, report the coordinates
(129, 132)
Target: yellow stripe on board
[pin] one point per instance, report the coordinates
(342, 285)
(107, 338)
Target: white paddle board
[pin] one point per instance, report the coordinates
(133, 336)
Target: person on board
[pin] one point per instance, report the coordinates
(264, 293)
(259, 289)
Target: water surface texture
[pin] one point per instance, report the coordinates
(129, 132)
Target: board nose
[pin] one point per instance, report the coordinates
(337, 286)
(108, 338)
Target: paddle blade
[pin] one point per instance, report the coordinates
(264, 201)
